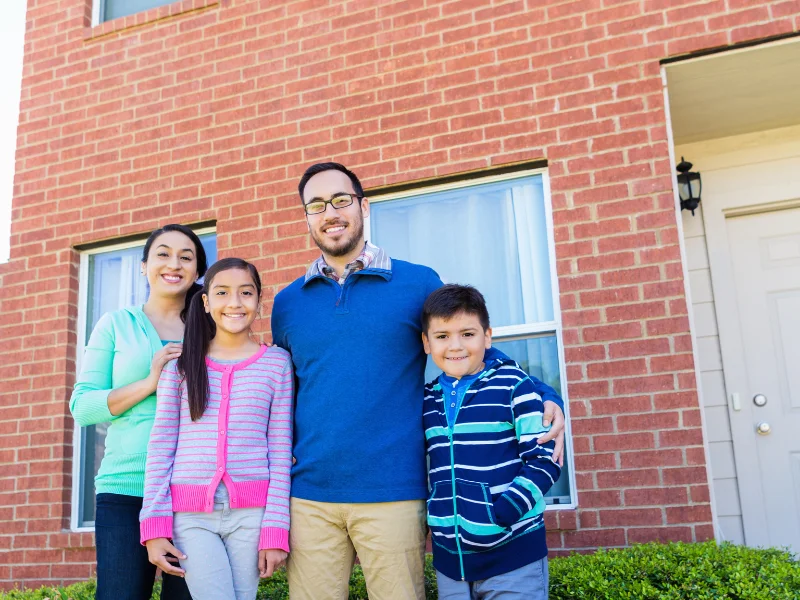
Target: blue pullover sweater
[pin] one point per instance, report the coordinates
(359, 368)
(488, 473)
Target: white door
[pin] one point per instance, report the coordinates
(765, 412)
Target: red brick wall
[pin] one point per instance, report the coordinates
(211, 109)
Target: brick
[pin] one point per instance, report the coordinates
(627, 441)
(648, 422)
(637, 385)
(631, 312)
(655, 496)
(684, 475)
(683, 437)
(608, 296)
(620, 368)
(606, 333)
(662, 535)
(664, 457)
(592, 425)
(631, 516)
(627, 478)
(614, 406)
(667, 326)
(689, 514)
(593, 538)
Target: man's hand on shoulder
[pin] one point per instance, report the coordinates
(553, 414)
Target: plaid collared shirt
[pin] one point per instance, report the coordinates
(370, 255)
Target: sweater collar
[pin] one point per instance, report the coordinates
(223, 367)
(374, 259)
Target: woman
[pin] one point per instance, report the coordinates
(119, 375)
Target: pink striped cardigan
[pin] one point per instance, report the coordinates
(244, 439)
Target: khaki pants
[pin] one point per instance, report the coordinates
(388, 537)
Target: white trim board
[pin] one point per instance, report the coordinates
(687, 292)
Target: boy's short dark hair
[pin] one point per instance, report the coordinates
(329, 166)
(452, 299)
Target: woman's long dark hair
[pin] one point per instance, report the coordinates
(199, 253)
(200, 330)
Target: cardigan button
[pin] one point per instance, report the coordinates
(220, 469)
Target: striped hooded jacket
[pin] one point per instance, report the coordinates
(488, 474)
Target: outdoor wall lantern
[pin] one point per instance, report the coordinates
(689, 186)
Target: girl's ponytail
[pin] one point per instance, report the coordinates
(200, 330)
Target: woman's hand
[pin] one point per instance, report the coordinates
(270, 560)
(124, 398)
(162, 357)
(157, 551)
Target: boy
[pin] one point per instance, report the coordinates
(488, 474)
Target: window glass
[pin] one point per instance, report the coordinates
(493, 236)
(115, 281)
(113, 9)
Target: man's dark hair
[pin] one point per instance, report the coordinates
(329, 166)
(452, 299)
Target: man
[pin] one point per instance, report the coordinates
(352, 325)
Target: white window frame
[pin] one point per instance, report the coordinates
(77, 432)
(525, 331)
(99, 7)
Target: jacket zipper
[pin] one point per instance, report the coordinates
(456, 520)
(450, 432)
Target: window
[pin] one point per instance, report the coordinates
(107, 10)
(494, 234)
(110, 279)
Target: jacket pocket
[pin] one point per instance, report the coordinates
(477, 528)
(441, 519)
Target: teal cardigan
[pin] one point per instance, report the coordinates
(120, 351)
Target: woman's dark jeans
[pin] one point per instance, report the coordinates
(123, 571)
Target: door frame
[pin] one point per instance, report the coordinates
(749, 154)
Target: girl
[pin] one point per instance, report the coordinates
(220, 450)
(119, 374)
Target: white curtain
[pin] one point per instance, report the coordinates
(115, 282)
(492, 236)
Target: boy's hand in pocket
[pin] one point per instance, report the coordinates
(270, 560)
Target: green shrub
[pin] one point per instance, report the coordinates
(677, 572)
(647, 572)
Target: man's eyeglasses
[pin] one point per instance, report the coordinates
(338, 201)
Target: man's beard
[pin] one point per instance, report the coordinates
(341, 249)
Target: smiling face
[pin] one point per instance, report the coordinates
(232, 301)
(171, 266)
(457, 345)
(337, 232)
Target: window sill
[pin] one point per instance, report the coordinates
(147, 16)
